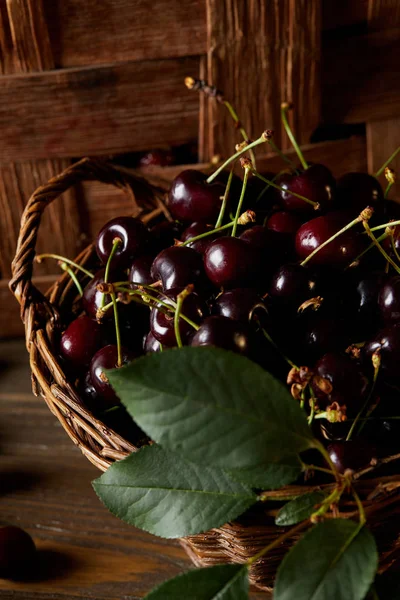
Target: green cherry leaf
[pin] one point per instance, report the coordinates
(223, 582)
(299, 509)
(336, 560)
(270, 476)
(164, 494)
(214, 407)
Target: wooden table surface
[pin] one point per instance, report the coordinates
(45, 488)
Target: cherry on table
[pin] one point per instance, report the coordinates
(80, 341)
(191, 198)
(17, 552)
(230, 262)
(315, 183)
(107, 358)
(225, 333)
(178, 266)
(162, 324)
(134, 238)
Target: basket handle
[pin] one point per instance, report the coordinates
(87, 169)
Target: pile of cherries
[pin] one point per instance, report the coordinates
(327, 324)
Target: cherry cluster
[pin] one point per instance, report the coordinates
(298, 271)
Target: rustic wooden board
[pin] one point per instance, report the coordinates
(361, 78)
(85, 553)
(261, 54)
(93, 33)
(97, 110)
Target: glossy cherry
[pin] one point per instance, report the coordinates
(346, 378)
(162, 324)
(134, 238)
(140, 271)
(356, 191)
(163, 235)
(353, 455)
(387, 342)
(239, 303)
(89, 393)
(284, 222)
(316, 183)
(92, 298)
(389, 300)
(225, 333)
(292, 284)
(363, 302)
(151, 344)
(230, 262)
(178, 266)
(196, 229)
(339, 252)
(318, 333)
(82, 338)
(191, 198)
(17, 552)
(104, 359)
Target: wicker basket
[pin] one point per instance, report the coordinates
(234, 542)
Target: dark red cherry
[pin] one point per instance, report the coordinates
(316, 184)
(134, 238)
(107, 358)
(389, 300)
(284, 222)
(89, 393)
(339, 252)
(191, 198)
(318, 333)
(140, 271)
(387, 342)
(354, 454)
(163, 235)
(159, 157)
(363, 302)
(196, 229)
(17, 552)
(225, 333)
(162, 324)
(346, 378)
(151, 344)
(356, 191)
(178, 266)
(230, 262)
(292, 284)
(239, 303)
(92, 298)
(82, 338)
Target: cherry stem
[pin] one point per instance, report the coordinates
(333, 237)
(225, 200)
(381, 250)
(379, 239)
(271, 341)
(74, 278)
(277, 542)
(62, 259)
(315, 468)
(389, 160)
(389, 185)
(261, 194)
(261, 140)
(117, 331)
(390, 224)
(179, 302)
(376, 362)
(312, 405)
(239, 125)
(315, 205)
(116, 242)
(281, 154)
(244, 219)
(284, 112)
(363, 518)
(328, 459)
(333, 498)
(240, 203)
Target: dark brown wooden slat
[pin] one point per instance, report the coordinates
(262, 53)
(361, 78)
(92, 32)
(342, 13)
(100, 110)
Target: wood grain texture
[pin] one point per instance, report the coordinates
(99, 110)
(260, 54)
(383, 14)
(84, 552)
(361, 78)
(343, 13)
(93, 33)
(25, 47)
